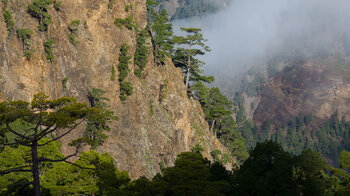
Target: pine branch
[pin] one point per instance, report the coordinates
(59, 137)
(16, 169)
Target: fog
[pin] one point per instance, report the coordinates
(250, 31)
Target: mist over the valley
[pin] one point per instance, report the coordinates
(251, 31)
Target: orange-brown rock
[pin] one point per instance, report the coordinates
(154, 125)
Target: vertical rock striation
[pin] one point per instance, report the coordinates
(155, 124)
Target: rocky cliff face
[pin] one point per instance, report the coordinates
(155, 124)
(318, 87)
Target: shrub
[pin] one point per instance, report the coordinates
(73, 28)
(113, 73)
(141, 53)
(28, 54)
(64, 82)
(24, 34)
(128, 22)
(9, 21)
(110, 4)
(126, 89)
(57, 5)
(127, 8)
(48, 50)
(74, 25)
(72, 39)
(38, 9)
(124, 60)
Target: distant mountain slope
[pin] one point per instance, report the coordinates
(300, 101)
(188, 8)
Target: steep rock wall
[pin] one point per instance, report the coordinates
(155, 124)
(318, 87)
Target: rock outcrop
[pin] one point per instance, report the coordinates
(318, 87)
(157, 122)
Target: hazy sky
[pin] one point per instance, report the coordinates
(250, 30)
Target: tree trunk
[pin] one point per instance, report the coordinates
(35, 170)
(212, 126)
(187, 77)
(188, 71)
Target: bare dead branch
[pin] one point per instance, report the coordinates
(66, 133)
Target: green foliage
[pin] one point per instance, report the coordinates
(24, 34)
(72, 39)
(218, 109)
(93, 134)
(141, 53)
(9, 21)
(28, 54)
(128, 22)
(215, 154)
(151, 3)
(64, 82)
(163, 89)
(57, 5)
(113, 73)
(48, 50)
(190, 8)
(73, 28)
(162, 31)
(151, 107)
(308, 169)
(344, 159)
(102, 179)
(41, 123)
(74, 25)
(39, 10)
(14, 157)
(201, 93)
(268, 171)
(7, 16)
(126, 88)
(239, 103)
(193, 175)
(110, 4)
(127, 7)
(197, 149)
(92, 173)
(252, 87)
(124, 61)
(184, 57)
(329, 138)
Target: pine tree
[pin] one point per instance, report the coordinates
(184, 57)
(161, 31)
(36, 124)
(39, 9)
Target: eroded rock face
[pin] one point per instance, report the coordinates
(155, 124)
(319, 87)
